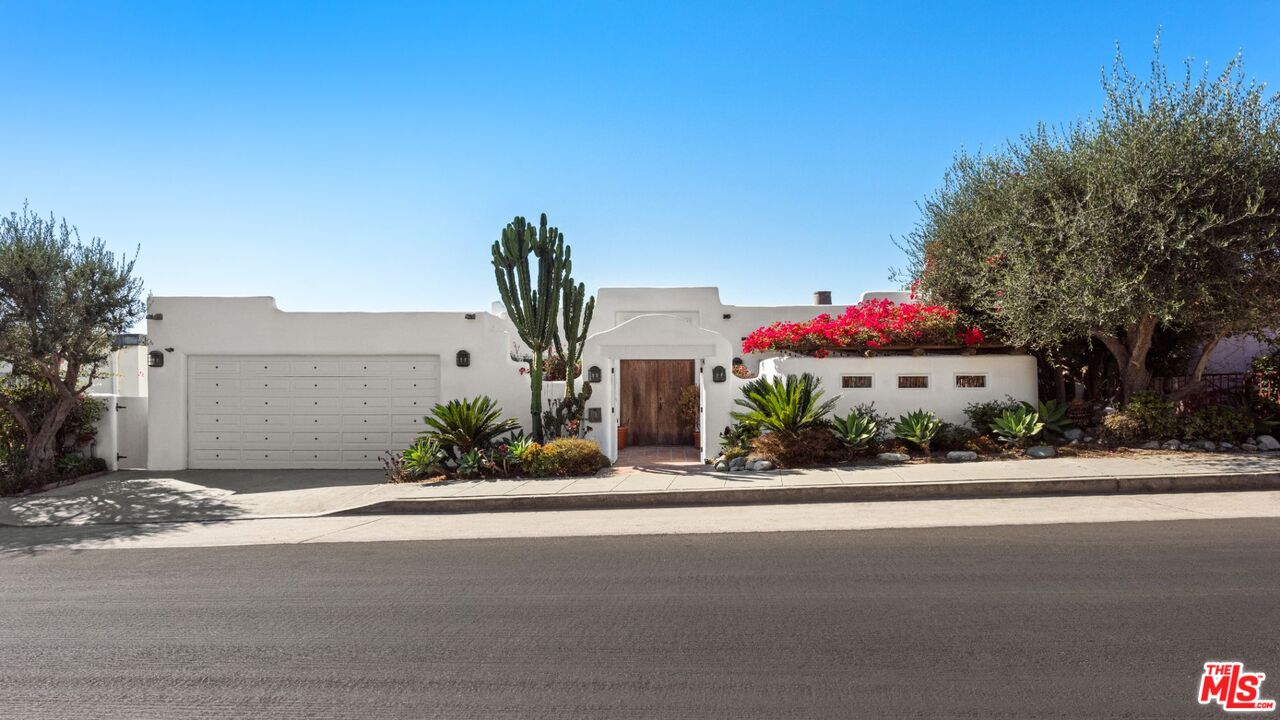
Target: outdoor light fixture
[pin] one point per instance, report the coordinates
(718, 374)
(470, 316)
(156, 316)
(593, 374)
(464, 358)
(155, 358)
(737, 362)
(726, 316)
(593, 415)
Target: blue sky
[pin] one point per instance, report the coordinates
(363, 156)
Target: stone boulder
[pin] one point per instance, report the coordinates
(892, 458)
(1041, 451)
(1268, 442)
(962, 456)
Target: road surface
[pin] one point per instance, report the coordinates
(1056, 621)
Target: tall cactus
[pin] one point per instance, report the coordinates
(532, 308)
(577, 308)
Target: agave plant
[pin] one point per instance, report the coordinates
(1018, 425)
(919, 427)
(788, 404)
(423, 457)
(856, 430)
(472, 463)
(518, 447)
(1053, 415)
(461, 426)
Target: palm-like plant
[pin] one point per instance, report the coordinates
(461, 426)
(788, 404)
(919, 427)
(855, 431)
(1018, 425)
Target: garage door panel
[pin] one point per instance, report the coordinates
(316, 405)
(300, 411)
(421, 368)
(415, 385)
(317, 439)
(214, 421)
(366, 368)
(215, 405)
(407, 422)
(266, 367)
(413, 404)
(214, 387)
(207, 367)
(213, 439)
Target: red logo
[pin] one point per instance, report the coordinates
(1227, 684)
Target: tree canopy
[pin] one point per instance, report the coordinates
(1162, 213)
(62, 301)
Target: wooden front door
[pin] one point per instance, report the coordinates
(649, 393)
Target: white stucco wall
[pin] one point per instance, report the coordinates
(255, 326)
(1007, 375)
(629, 323)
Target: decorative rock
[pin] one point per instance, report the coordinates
(962, 456)
(737, 463)
(722, 466)
(1206, 445)
(1073, 434)
(1268, 442)
(1249, 447)
(761, 465)
(1087, 439)
(1153, 445)
(1041, 451)
(1171, 445)
(893, 458)
(1226, 446)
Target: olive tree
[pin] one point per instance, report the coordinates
(1160, 214)
(62, 301)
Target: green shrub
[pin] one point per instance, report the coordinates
(461, 426)
(919, 427)
(1122, 428)
(788, 404)
(814, 445)
(954, 437)
(565, 456)
(1155, 414)
(883, 422)
(1018, 426)
(855, 431)
(736, 439)
(983, 415)
(1219, 422)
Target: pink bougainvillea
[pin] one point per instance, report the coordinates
(868, 325)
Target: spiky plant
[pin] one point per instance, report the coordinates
(1017, 426)
(460, 426)
(532, 303)
(919, 427)
(423, 457)
(1053, 415)
(856, 430)
(788, 404)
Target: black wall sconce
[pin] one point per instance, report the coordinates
(155, 358)
(737, 361)
(726, 316)
(594, 415)
(593, 374)
(464, 358)
(470, 316)
(718, 374)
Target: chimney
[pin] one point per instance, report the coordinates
(822, 297)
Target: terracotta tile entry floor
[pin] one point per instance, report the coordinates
(659, 459)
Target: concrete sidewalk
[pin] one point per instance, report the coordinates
(203, 495)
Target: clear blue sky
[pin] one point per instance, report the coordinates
(363, 156)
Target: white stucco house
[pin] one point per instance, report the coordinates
(239, 383)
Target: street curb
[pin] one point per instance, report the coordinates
(935, 490)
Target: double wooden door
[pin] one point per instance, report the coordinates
(650, 394)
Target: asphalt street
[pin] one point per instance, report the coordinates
(1053, 621)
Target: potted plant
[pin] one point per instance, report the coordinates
(622, 435)
(687, 412)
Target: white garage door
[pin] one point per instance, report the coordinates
(305, 412)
